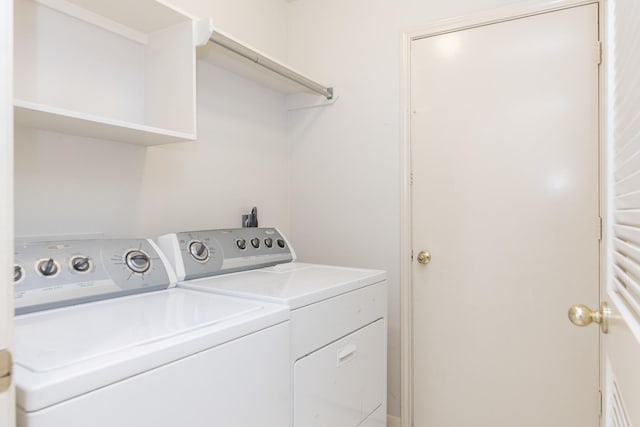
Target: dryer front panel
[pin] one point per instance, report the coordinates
(342, 384)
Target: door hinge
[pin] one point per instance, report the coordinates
(598, 52)
(411, 178)
(6, 364)
(601, 402)
(411, 254)
(600, 228)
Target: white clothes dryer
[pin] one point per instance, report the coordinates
(338, 317)
(102, 340)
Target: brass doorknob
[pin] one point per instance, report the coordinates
(581, 315)
(424, 257)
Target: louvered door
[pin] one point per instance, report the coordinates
(621, 346)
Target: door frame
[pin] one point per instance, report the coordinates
(493, 16)
(7, 399)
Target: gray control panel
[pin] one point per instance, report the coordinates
(59, 273)
(204, 253)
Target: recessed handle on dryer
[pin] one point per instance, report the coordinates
(346, 353)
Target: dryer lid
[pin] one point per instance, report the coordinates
(294, 284)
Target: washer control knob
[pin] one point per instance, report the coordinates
(255, 242)
(268, 242)
(199, 251)
(280, 243)
(18, 273)
(81, 264)
(48, 267)
(137, 261)
(241, 244)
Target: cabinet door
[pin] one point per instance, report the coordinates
(341, 384)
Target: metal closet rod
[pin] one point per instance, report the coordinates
(239, 49)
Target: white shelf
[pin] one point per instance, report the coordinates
(223, 50)
(32, 115)
(117, 70)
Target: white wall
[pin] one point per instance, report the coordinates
(72, 185)
(240, 160)
(345, 185)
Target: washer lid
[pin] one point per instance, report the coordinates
(60, 338)
(66, 352)
(294, 284)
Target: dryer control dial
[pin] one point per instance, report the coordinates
(137, 261)
(199, 251)
(81, 264)
(48, 267)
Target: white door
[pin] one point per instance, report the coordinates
(7, 418)
(621, 346)
(505, 152)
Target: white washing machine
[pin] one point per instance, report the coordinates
(102, 340)
(338, 317)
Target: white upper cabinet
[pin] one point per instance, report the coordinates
(120, 70)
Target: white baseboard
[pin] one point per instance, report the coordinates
(393, 421)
